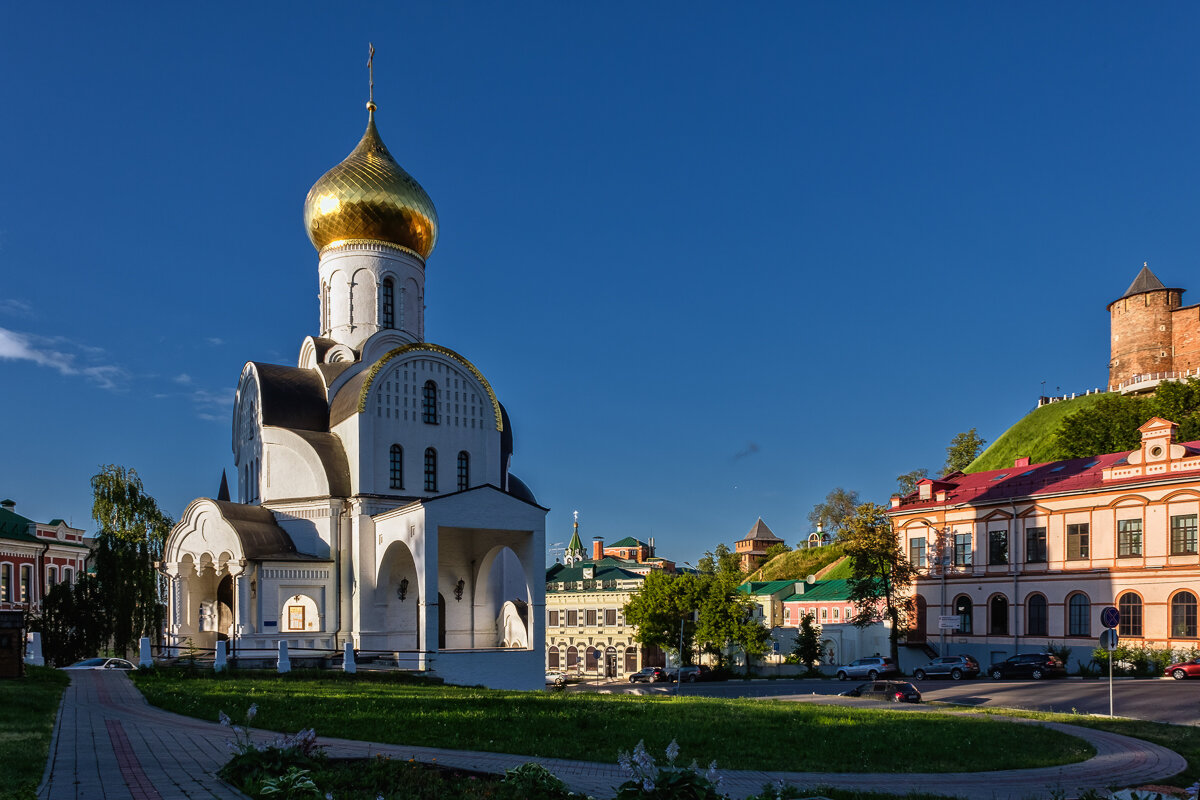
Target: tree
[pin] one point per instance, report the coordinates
(72, 622)
(832, 514)
(131, 532)
(880, 572)
(964, 448)
(907, 483)
(809, 649)
(659, 608)
(777, 549)
(727, 618)
(723, 562)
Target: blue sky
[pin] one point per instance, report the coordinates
(714, 263)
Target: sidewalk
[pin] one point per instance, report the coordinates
(110, 744)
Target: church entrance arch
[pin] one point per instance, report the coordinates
(501, 605)
(399, 599)
(224, 608)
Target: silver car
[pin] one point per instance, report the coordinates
(870, 668)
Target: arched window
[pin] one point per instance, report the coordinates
(962, 607)
(430, 409)
(68, 576)
(1079, 615)
(572, 658)
(1183, 615)
(464, 470)
(387, 297)
(324, 308)
(1036, 616)
(631, 659)
(552, 658)
(591, 660)
(430, 469)
(396, 467)
(51, 577)
(6, 583)
(1130, 606)
(999, 615)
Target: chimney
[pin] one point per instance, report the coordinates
(638, 550)
(1023, 461)
(598, 548)
(8, 505)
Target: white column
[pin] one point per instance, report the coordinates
(219, 660)
(282, 663)
(348, 664)
(241, 599)
(145, 659)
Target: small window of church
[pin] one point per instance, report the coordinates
(430, 469)
(397, 467)
(26, 580)
(387, 314)
(430, 410)
(464, 470)
(5, 583)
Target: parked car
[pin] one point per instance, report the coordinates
(556, 678)
(1184, 669)
(689, 673)
(890, 691)
(102, 663)
(954, 667)
(871, 667)
(649, 675)
(1029, 665)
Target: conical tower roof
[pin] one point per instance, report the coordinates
(1146, 281)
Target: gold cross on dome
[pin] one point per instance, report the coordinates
(371, 72)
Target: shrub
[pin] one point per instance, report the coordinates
(280, 767)
(532, 780)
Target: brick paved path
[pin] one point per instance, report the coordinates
(110, 744)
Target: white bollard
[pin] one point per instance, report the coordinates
(348, 664)
(283, 664)
(219, 658)
(145, 660)
(33, 650)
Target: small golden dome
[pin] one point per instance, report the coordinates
(370, 196)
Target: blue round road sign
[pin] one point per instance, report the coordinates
(1110, 617)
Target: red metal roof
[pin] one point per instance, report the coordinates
(1052, 477)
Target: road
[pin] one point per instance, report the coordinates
(1157, 700)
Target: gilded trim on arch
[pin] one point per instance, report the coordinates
(433, 348)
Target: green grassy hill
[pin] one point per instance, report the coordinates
(1032, 435)
(797, 564)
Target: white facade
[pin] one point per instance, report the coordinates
(374, 502)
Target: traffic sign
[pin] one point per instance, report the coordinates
(1109, 639)
(1110, 617)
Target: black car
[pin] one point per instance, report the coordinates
(954, 667)
(889, 691)
(649, 675)
(1029, 665)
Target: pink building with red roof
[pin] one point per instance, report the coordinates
(1032, 554)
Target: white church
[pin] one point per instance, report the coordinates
(374, 500)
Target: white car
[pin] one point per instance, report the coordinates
(556, 678)
(102, 663)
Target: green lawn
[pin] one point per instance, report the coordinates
(738, 734)
(27, 709)
(1033, 435)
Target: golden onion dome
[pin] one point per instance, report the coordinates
(370, 196)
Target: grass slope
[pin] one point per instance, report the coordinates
(27, 709)
(1033, 435)
(797, 564)
(840, 572)
(741, 734)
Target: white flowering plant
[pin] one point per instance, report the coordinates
(648, 779)
(255, 766)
